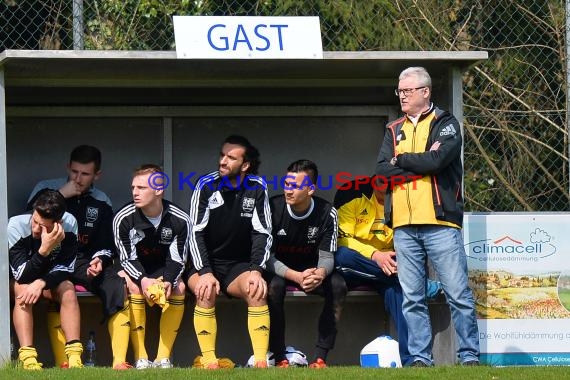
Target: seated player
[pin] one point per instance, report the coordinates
(230, 243)
(42, 249)
(94, 268)
(151, 237)
(304, 242)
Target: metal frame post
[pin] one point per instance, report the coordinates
(4, 263)
(78, 41)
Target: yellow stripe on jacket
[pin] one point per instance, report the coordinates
(412, 202)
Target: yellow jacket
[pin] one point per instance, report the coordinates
(423, 170)
(356, 208)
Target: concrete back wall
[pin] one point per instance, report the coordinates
(335, 144)
(38, 148)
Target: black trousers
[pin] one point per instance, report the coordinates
(333, 289)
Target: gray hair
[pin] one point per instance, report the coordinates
(418, 72)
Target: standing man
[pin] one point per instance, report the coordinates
(423, 148)
(42, 252)
(94, 268)
(151, 238)
(304, 241)
(230, 244)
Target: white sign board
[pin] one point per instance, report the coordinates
(247, 37)
(519, 270)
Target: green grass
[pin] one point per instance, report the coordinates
(439, 373)
(564, 295)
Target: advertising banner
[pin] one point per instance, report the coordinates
(519, 270)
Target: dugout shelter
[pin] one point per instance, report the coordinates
(150, 107)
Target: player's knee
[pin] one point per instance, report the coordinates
(191, 282)
(257, 303)
(134, 289)
(253, 301)
(66, 293)
(207, 303)
(66, 286)
(179, 289)
(18, 288)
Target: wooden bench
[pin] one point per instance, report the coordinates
(359, 291)
(363, 318)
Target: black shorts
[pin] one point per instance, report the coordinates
(160, 273)
(108, 286)
(224, 271)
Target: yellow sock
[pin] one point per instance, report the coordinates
(73, 352)
(169, 324)
(29, 358)
(206, 330)
(119, 330)
(138, 323)
(55, 333)
(258, 327)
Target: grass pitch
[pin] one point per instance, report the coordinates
(439, 373)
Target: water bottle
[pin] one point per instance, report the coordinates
(90, 351)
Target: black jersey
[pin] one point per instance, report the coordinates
(94, 214)
(230, 224)
(298, 239)
(144, 249)
(27, 265)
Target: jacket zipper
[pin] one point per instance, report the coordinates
(408, 184)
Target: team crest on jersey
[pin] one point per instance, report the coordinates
(166, 235)
(248, 204)
(92, 214)
(312, 233)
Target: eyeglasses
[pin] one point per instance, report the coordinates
(406, 91)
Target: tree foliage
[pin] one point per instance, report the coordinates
(516, 150)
